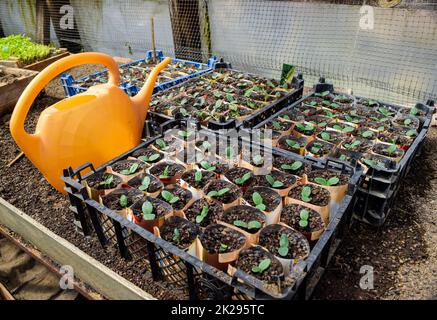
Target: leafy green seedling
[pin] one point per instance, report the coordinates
(258, 201)
(169, 197)
(411, 133)
(223, 247)
(161, 144)
(330, 114)
(293, 144)
(274, 183)
(166, 173)
(123, 201)
(322, 94)
(276, 125)
(198, 176)
(258, 160)
(283, 245)
(176, 235)
(391, 149)
(220, 193)
(371, 102)
(108, 180)
(316, 147)
(353, 145)
(293, 167)
(414, 111)
(367, 134)
(304, 216)
(342, 157)
(132, 169)
(327, 182)
(262, 266)
(150, 158)
(145, 183)
(185, 134)
(306, 129)
(305, 194)
(229, 153)
(247, 225)
(386, 112)
(407, 122)
(202, 215)
(206, 145)
(207, 166)
(243, 179)
(325, 136)
(147, 210)
(374, 163)
(345, 129)
(348, 118)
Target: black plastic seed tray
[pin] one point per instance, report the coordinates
(380, 184)
(185, 272)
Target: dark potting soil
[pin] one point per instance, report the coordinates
(298, 247)
(154, 185)
(319, 147)
(121, 165)
(95, 181)
(327, 174)
(146, 153)
(382, 149)
(365, 133)
(331, 136)
(290, 215)
(236, 173)
(168, 144)
(233, 194)
(160, 207)
(293, 115)
(177, 191)
(112, 200)
(288, 143)
(245, 214)
(252, 257)
(271, 199)
(363, 145)
(173, 169)
(179, 231)
(300, 167)
(278, 125)
(319, 196)
(215, 211)
(217, 238)
(286, 179)
(407, 121)
(205, 177)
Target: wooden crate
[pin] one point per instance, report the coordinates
(13, 81)
(36, 66)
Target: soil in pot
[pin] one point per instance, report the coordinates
(407, 121)
(122, 198)
(319, 148)
(356, 144)
(368, 102)
(377, 162)
(278, 125)
(262, 198)
(365, 133)
(344, 99)
(219, 239)
(176, 196)
(241, 177)
(222, 191)
(146, 183)
(103, 181)
(311, 194)
(377, 125)
(148, 155)
(387, 150)
(198, 178)
(257, 158)
(204, 213)
(247, 218)
(307, 129)
(284, 242)
(292, 115)
(179, 231)
(307, 109)
(290, 166)
(331, 136)
(342, 155)
(150, 209)
(214, 165)
(291, 143)
(128, 167)
(168, 144)
(277, 179)
(301, 218)
(414, 111)
(167, 170)
(319, 121)
(328, 178)
(260, 264)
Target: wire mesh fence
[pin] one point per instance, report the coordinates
(385, 49)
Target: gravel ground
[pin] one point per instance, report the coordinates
(403, 252)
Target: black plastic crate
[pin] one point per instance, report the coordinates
(183, 271)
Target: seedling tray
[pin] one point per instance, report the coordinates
(222, 99)
(381, 182)
(198, 279)
(132, 86)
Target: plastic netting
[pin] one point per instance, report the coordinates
(369, 47)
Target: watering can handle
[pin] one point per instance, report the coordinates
(44, 77)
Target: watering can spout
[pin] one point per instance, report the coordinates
(142, 99)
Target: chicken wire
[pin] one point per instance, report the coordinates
(383, 53)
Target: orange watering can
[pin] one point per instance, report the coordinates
(94, 126)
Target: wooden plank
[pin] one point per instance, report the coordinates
(42, 22)
(87, 269)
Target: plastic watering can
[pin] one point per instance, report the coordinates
(94, 126)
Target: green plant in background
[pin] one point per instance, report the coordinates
(305, 128)
(385, 111)
(367, 133)
(304, 216)
(407, 121)
(165, 174)
(345, 129)
(327, 182)
(353, 145)
(147, 210)
(108, 180)
(293, 144)
(342, 157)
(150, 158)
(185, 134)
(326, 136)
(283, 245)
(258, 201)
(247, 225)
(262, 266)
(391, 150)
(207, 166)
(23, 48)
(220, 193)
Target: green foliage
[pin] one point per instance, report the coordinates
(325, 136)
(258, 160)
(258, 201)
(176, 235)
(166, 173)
(207, 166)
(367, 134)
(353, 145)
(316, 147)
(147, 210)
(198, 176)
(108, 180)
(145, 183)
(243, 179)
(219, 193)
(262, 266)
(151, 158)
(330, 182)
(391, 149)
(374, 163)
(274, 183)
(169, 197)
(292, 144)
(322, 94)
(304, 216)
(202, 215)
(22, 48)
(283, 245)
(305, 194)
(293, 167)
(223, 247)
(132, 169)
(247, 225)
(124, 201)
(161, 144)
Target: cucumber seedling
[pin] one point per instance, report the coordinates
(293, 166)
(123, 201)
(243, 179)
(258, 201)
(200, 217)
(147, 211)
(304, 215)
(247, 225)
(327, 182)
(262, 266)
(169, 197)
(219, 193)
(132, 169)
(283, 245)
(145, 183)
(305, 194)
(274, 183)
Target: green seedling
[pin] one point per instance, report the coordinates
(305, 128)
(283, 245)
(161, 144)
(348, 118)
(274, 183)
(123, 201)
(386, 112)
(305, 194)
(327, 182)
(407, 122)
(258, 160)
(325, 136)
(374, 163)
(230, 98)
(166, 173)
(285, 117)
(132, 169)
(371, 102)
(414, 111)
(353, 145)
(330, 114)
(219, 193)
(202, 215)
(316, 147)
(207, 166)
(217, 94)
(258, 201)
(247, 225)
(391, 150)
(293, 167)
(367, 134)
(229, 153)
(206, 145)
(342, 157)
(169, 197)
(411, 133)
(304, 215)
(243, 179)
(176, 235)
(147, 210)
(322, 94)
(185, 134)
(108, 181)
(223, 247)
(262, 266)
(345, 129)
(145, 183)
(293, 144)
(276, 125)
(150, 158)
(198, 176)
